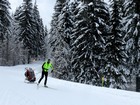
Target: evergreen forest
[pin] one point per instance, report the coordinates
(90, 41)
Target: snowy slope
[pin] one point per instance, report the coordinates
(13, 91)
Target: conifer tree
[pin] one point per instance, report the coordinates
(5, 22)
(46, 46)
(72, 12)
(54, 36)
(89, 42)
(132, 30)
(39, 33)
(115, 52)
(26, 21)
(65, 30)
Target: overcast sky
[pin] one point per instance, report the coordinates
(46, 8)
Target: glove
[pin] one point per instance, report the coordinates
(52, 71)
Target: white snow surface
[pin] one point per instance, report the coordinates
(14, 91)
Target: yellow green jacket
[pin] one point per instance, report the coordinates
(46, 66)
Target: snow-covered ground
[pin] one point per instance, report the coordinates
(13, 91)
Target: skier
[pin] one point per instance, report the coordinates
(45, 68)
(30, 75)
(103, 80)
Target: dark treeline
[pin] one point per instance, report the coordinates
(96, 43)
(89, 41)
(22, 34)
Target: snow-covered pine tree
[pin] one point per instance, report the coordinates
(65, 25)
(26, 21)
(89, 41)
(54, 37)
(46, 47)
(13, 54)
(73, 9)
(39, 34)
(78, 30)
(20, 54)
(5, 22)
(103, 17)
(115, 52)
(132, 29)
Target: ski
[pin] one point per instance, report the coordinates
(28, 82)
(46, 86)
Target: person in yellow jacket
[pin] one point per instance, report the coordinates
(45, 68)
(103, 80)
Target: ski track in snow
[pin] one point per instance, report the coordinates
(8, 97)
(9, 94)
(14, 91)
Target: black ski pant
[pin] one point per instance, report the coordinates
(42, 76)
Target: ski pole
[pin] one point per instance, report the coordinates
(57, 72)
(38, 73)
